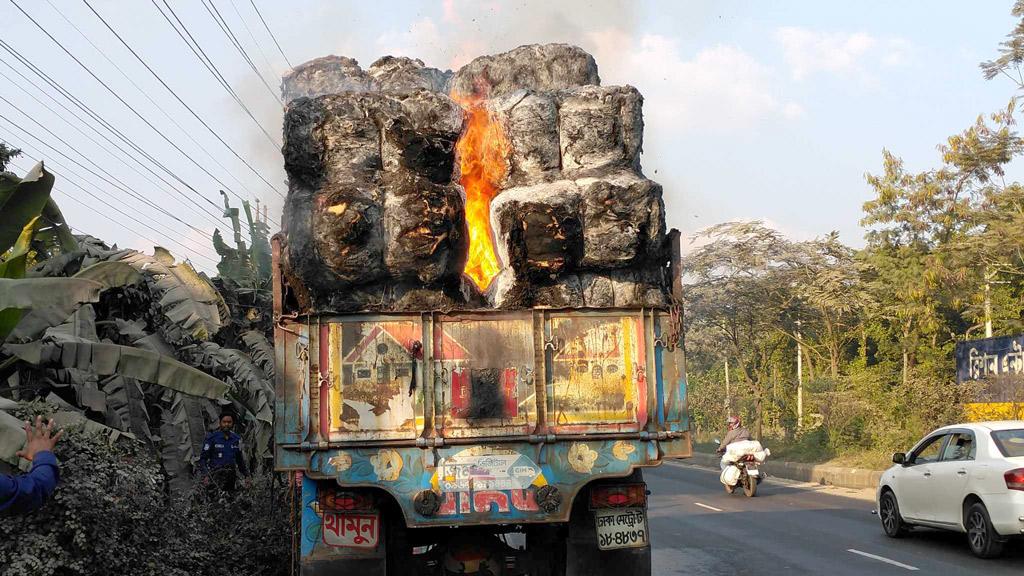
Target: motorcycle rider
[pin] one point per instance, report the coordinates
(737, 433)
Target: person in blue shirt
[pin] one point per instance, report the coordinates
(221, 460)
(27, 492)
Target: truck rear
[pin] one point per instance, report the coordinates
(416, 442)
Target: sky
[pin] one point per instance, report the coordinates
(772, 111)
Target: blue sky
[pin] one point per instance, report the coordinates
(754, 110)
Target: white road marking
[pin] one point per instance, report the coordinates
(882, 559)
(708, 507)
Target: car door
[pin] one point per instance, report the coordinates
(915, 488)
(950, 475)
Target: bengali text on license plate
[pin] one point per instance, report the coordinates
(621, 528)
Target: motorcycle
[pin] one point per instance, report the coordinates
(741, 466)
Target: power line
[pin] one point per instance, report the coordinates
(223, 24)
(252, 36)
(129, 216)
(119, 185)
(63, 174)
(102, 122)
(272, 37)
(145, 94)
(167, 186)
(182, 102)
(125, 103)
(199, 53)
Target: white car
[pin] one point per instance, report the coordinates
(968, 478)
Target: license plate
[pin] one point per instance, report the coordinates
(351, 530)
(621, 528)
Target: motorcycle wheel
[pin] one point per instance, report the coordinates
(750, 487)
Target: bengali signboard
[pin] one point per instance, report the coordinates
(989, 358)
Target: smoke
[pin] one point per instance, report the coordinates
(684, 91)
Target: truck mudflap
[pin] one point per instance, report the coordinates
(489, 484)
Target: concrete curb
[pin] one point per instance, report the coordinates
(814, 473)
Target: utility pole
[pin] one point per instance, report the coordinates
(728, 394)
(988, 307)
(799, 381)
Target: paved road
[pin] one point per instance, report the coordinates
(698, 529)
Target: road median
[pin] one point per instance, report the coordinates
(841, 476)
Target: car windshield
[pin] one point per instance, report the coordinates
(1010, 442)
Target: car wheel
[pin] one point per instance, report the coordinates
(889, 514)
(982, 537)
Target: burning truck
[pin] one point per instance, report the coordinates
(477, 328)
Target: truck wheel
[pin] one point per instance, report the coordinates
(398, 552)
(584, 558)
(545, 547)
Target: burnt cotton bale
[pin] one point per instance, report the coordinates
(538, 229)
(530, 122)
(600, 128)
(546, 67)
(623, 221)
(425, 229)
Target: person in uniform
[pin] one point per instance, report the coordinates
(221, 460)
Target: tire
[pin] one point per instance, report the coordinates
(889, 515)
(983, 539)
(545, 547)
(750, 486)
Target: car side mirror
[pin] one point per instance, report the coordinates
(899, 458)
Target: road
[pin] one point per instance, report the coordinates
(791, 528)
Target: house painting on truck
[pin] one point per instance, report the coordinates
(371, 373)
(598, 370)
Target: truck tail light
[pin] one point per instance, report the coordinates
(1015, 479)
(346, 501)
(619, 496)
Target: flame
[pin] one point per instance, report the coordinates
(481, 151)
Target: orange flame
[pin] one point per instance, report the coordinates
(481, 151)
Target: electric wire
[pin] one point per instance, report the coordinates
(181, 101)
(120, 185)
(63, 172)
(125, 103)
(272, 37)
(119, 211)
(167, 189)
(102, 122)
(223, 24)
(263, 55)
(199, 53)
(145, 94)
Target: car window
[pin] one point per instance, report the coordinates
(1010, 442)
(960, 447)
(929, 451)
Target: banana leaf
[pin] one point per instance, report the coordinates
(183, 426)
(261, 351)
(107, 359)
(126, 403)
(54, 300)
(13, 266)
(21, 201)
(193, 307)
(12, 438)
